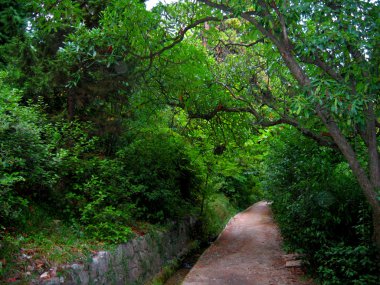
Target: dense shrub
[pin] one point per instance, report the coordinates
(24, 155)
(236, 170)
(160, 167)
(320, 209)
(58, 165)
(99, 197)
(218, 210)
(240, 190)
(150, 178)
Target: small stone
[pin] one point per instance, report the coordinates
(76, 266)
(53, 272)
(292, 256)
(52, 281)
(45, 275)
(30, 268)
(293, 263)
(25, 256)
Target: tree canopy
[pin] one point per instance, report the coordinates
(312, 65)
(121, 116)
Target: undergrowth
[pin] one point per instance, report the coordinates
(218, 211)
(43, 244)
(321, 211)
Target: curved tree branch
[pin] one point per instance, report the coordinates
(321, 140)
(181, 35)
(261, 40)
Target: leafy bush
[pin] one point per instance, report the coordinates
(320, 209)
(150, 178)
(240, 190)
(35, 156)
(104, 201)
(108, 224)
(25, 158)
(218, 211)
(93, 190)
(345, 264)
(235, 172)
(161, 170)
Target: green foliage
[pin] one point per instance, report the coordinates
(92, 189)
(351, 31)
(12, 20)
(218, 211)
(108, 223)
(122, 156)
(237, 172)
(24, 161)
(159, 164)
(50, 164)
(102, 201)
(347, 264)
(46, 242)
(320, 209)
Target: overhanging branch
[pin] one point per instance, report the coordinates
(260, 121)
(181, 36)
(261, 40)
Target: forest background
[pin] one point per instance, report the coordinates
(115, 120)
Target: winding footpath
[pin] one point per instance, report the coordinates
(248, 252)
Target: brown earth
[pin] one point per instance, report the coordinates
(248, 251)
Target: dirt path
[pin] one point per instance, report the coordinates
(247, 252)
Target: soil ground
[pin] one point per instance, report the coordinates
(247, 252)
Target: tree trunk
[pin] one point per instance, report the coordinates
(374, 165)
(369, 188)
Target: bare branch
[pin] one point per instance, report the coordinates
(219, 108)
(180, 37)
(325, 67)
(282, 22)
(261, 40)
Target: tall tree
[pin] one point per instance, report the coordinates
(330, 48)
(13, 19)
(310, 64)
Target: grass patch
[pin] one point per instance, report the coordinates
(42, 244)
(218, 211)
(166, 272)
(174, 265)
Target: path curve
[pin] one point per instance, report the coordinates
(248, 252)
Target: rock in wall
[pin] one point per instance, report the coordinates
(135, 262)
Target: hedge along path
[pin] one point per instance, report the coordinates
(247, 252)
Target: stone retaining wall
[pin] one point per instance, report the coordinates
(135, 262)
